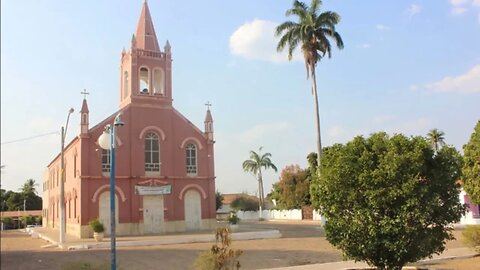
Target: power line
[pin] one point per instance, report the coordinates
(30, 138)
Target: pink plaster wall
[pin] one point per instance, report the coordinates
(141, 113)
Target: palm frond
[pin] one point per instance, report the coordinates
(315, 6)
(284, 26)
(329, 18)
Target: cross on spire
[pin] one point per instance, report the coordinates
(85, 93)
(208, 104)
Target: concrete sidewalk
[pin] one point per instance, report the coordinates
(448, 254)
(73, 243)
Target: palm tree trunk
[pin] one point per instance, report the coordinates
(260, 193)
(317, 114)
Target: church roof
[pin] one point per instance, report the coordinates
(145, 37)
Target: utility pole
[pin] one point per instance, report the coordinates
(62, 180)
(25, 213)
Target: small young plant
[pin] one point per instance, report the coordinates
(96, 225)
(233, 218)
(220, 256)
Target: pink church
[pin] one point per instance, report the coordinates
(165, 177)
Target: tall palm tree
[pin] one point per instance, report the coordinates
(254, 165)
(29, 187)
(312, 32)
(436, 138)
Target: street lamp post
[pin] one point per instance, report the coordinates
(25, 213)
(62, 179)
(107, 142)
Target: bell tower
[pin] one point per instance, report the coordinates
(145, 70)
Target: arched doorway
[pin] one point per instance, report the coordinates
(153, 214)
(193, 210)
(104, 210)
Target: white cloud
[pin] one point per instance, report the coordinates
(414, 9)
(382, 27)
(461, 6)
(256, 40)
(413, 87)
(365, 45)
(458, 10)
(464, 83)
(458, 2)
(261, 131)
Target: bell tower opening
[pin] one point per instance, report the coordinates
(144, 80)
(158, 82)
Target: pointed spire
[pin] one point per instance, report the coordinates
(134, 42)
(208, 117)
(145, 37)
(84, 107)
(84, 104)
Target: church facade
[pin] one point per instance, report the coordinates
(165, 175)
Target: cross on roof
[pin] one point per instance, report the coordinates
(84, 93)
(208, 104)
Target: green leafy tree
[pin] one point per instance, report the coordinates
(218, 200)
(312, 31)
(436, 139)
(292, 189)
(254, 165)
(471, 167)
(389, 200)
(14, 201)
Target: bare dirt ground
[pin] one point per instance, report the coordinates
(461, 264)
(301, 244)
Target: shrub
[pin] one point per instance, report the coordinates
(233, 218)
(471, 236)
(7, 222)
(220, 256)
(389, 200)
(245, 203)
(96, 225)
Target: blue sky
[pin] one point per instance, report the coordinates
(407, 67)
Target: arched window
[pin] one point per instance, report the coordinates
(152, 154)
(158, 81)
(191, 155)
(125, 84)
(144, 80)
(105, 161)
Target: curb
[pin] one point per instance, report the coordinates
(270, 234)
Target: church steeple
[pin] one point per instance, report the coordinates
(145, 70)
(209, 123)
(145, 37)
(84, 114)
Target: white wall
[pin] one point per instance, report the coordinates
(294, 214)
(467, 219)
